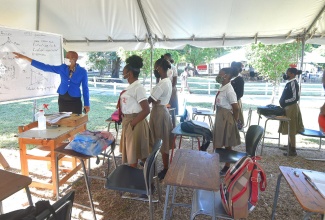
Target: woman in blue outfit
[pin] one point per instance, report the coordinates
(72, 77)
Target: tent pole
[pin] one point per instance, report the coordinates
(151, 63)
(301, 63)
(38, 3)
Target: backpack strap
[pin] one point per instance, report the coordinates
(254, 180)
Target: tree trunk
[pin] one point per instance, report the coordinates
(275, 91)
(116, 68)
(101, 73)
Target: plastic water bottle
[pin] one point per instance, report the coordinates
(41, 120)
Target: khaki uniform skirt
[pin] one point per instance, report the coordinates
(174, 100)
(161, 127)
(296, 125)
(225, 133)
(134, 143)
(241, 115)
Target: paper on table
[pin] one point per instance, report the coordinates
(53, 118)
(316, 178)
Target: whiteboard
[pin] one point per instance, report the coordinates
(18, 79)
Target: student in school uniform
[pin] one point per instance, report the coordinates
(237, 83)
(160, 121)
(134, 144)
(225, 132)
(289, 101)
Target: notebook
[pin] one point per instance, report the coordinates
(317, 180)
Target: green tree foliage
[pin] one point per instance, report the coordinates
(196, 56)
(271, 61)
(145, 54)
(103, 61)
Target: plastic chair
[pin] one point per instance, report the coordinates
(202, 205)
(252, 139)
(62, 208)
(248, 122)
(133, 180)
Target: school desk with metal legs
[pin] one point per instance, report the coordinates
(177, 131)
(205, 113)
(309, 198)
(11, 183)
(61, 152)
(275, 118)
(186, 171)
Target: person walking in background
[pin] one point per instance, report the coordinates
(160, 121)
(184, 83)
(72, 77)
(134, 105)
(238, 84)
(288, 101)
(172, 75)
(225, 133)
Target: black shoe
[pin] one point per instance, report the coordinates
(291, 154)
(161, 174)
(224, 171)
(285, 147)
(143, 196)
(141, 163)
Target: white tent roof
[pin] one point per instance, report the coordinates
(103, 25)
(237, 55)
(313, 58)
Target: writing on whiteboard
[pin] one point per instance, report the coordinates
(18, 79)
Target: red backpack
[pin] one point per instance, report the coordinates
(239, 190)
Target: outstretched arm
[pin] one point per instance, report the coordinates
(18, 55)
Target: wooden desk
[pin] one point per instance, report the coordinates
(48, 139)
(177, 131)
(187, 171)
(310, 200)
(11, 183)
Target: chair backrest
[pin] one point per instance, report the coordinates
(62, 208)
(253, 137)
(149, 165)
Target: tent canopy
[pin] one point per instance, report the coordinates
(237, 55)
(106, 25)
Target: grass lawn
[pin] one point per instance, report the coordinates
(21, 113)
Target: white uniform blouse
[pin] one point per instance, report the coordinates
(162, 91)
(226, 96)
(130, 100)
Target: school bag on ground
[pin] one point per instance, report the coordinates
(196, 128)
(240, 188)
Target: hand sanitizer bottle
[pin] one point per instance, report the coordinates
(41, 120)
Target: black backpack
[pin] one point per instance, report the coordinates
(190, 127)
(270, 110)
